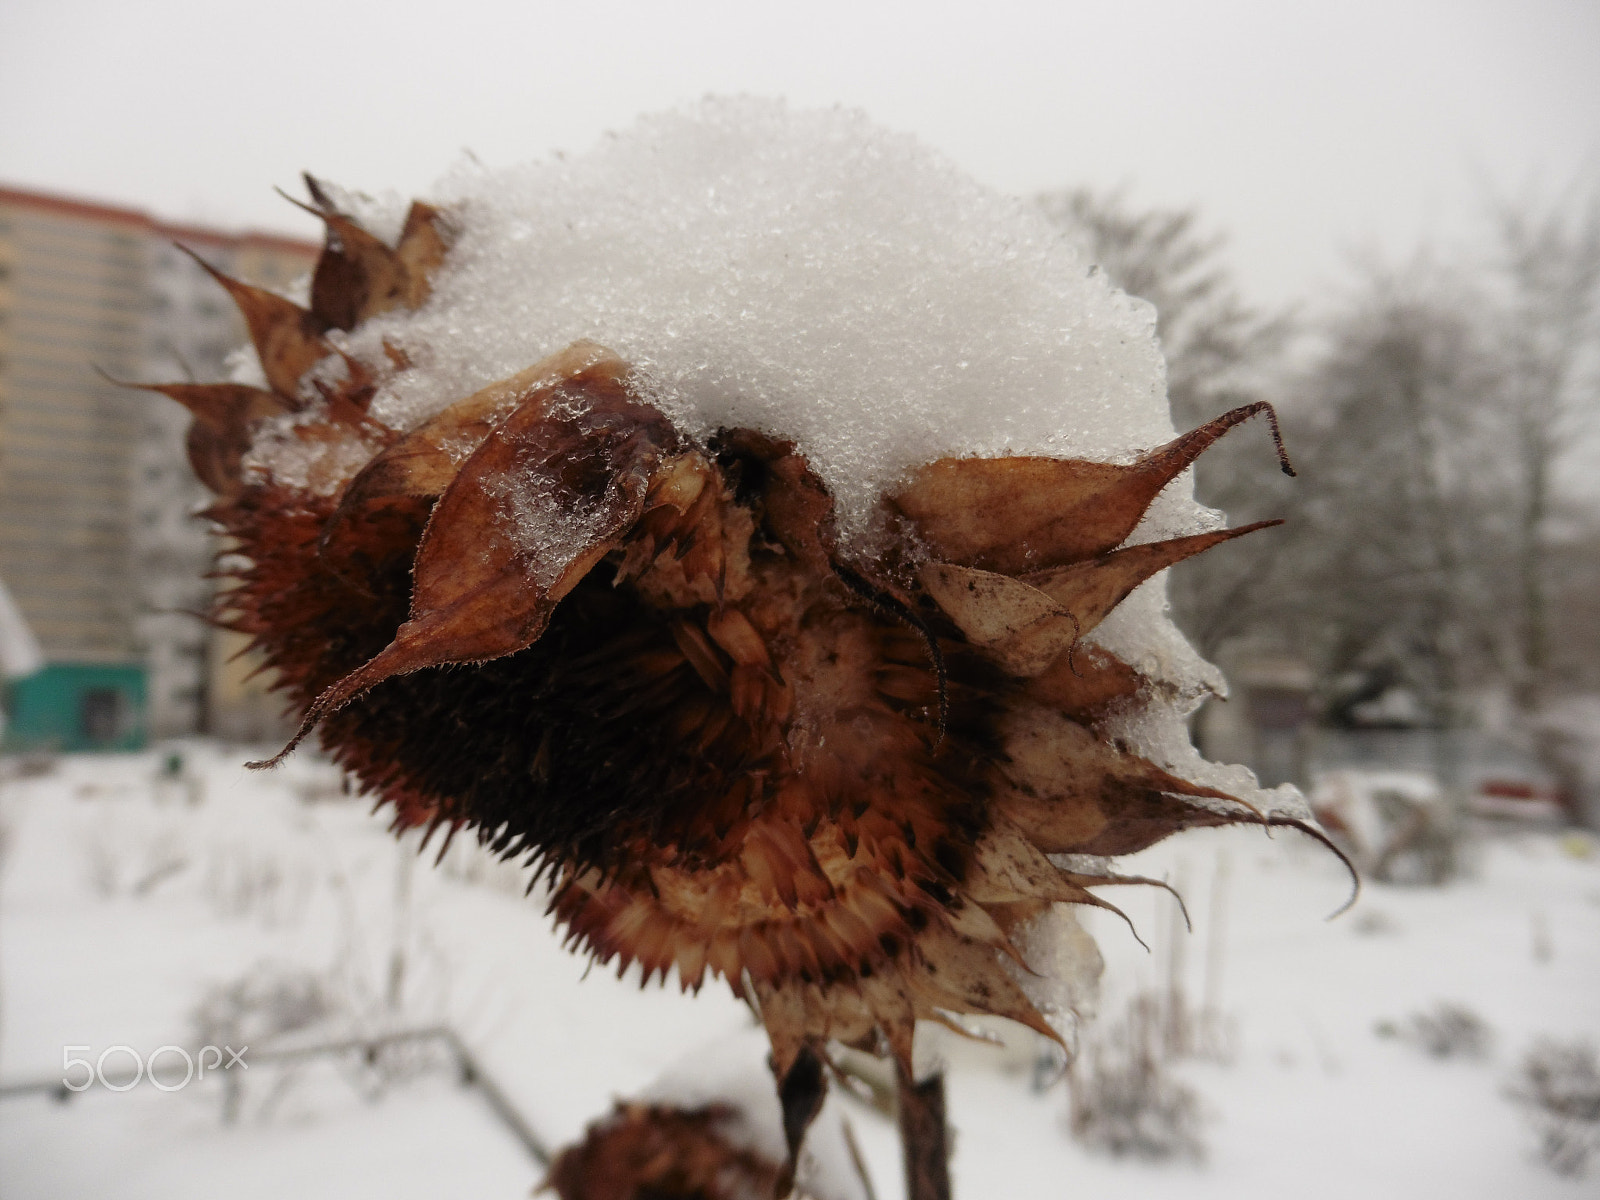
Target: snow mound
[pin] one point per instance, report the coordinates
(804, 273)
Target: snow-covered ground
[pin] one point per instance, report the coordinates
(127, 897)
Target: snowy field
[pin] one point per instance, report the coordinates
(130, 898)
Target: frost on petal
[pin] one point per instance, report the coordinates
(423, 462)
(546, 496)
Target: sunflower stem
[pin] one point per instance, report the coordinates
(924, 1142)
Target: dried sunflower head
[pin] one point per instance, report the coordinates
(709, 1128)
(659, 1150)
(846, 772)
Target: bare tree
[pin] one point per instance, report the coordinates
(1398, 548)
(1428, 544)
(1548, 339)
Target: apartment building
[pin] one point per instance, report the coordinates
(97, 543)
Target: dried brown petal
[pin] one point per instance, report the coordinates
(225, 418)
(1084, 684)
(1027, 623)
(1015, 515)
(424, 241)
(1072, 793)
(484, 586)
(425, 461)
(1090, 590)
(288, 339)
(357, 275)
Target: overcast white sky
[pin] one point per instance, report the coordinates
(1308, 131)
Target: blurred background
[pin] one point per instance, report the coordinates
(1382, 218)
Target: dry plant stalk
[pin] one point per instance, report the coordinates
(835, 782)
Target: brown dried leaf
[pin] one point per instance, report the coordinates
(288, 339)
(546, 496)
(796, 507)
(1017, 514)
(1082, 684)
(1011, 868)
(1019, 625)
(357, 275)
(425, 461)
(481, 588)
(1013, 515)
(1026, 624)
(1072, 793)
(225, 415)
(1090, 590)
(424, 241)
(960, 975)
